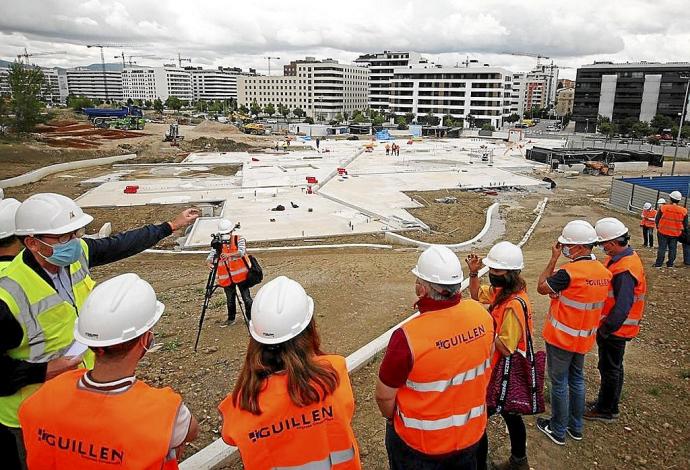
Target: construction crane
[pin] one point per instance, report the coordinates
(468, 61)
(181, 59)
(130, 62)
(526, 54)
(105, 78)
(26, 55)
(269, 58)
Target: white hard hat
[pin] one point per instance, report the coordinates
(661, 201)
(647, 206)
(578, 232)
(116, 311)
(438, 264)
(504, 255)
(225, 226)
(49, 214)
(280, 311)
(676, 196)
(8, 208)
(610, 228)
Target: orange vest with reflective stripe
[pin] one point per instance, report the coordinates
(284, 435)
(648, 218)
(442, 406)
(66, 427)
(632, 264)
(671, 220)
(575, 312)
(237, 267)
(498, 314)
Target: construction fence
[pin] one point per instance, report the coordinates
(630, 194)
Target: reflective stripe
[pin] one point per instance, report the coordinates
(571, 331)
(28, 318)
(443, 385)
(637, 298)
(335, 458)
(442, 423)
(631, 322)
(79, 275)
(239, 271)
(579, 305)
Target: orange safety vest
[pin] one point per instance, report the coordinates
(575, 312)
(284, 435)
(498, 314)
(671, 220)
(632, 264)
(66, 427)
(232, 271)
(648, 218)
(442, 406)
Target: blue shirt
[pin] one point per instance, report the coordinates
(624, 292)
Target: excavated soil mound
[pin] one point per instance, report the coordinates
(214, 127)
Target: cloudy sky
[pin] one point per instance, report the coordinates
(243, 33)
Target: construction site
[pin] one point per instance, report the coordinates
(348, 221)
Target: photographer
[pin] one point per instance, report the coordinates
(233, 268)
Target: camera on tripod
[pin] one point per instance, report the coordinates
(220, 239)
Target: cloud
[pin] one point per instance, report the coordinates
(215, 32)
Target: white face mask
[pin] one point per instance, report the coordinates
(566, 251)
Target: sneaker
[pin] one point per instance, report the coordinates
(544, 425)
(593, 414)
(231, 322)
(574, 435)
(593, 405)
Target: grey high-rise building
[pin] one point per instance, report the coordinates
(619, 91)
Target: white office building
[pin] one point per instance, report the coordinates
(323, 89)
(381, 68)
(95, 84)
(54, 90)
(481, 92)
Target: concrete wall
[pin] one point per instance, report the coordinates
(35, 175)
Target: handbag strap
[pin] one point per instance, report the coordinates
(530, 356)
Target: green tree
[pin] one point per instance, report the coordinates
(358, 118)
(378, 120)
(626, 125)
(201, 106)
(338, 118)
(299, 112)
(158, 105)
(174, 103)
(148, 104)
(432, 120)
(402, 123)
(448, 120)
(661, 122)
(409, 118)
(255, 108)
(79, 102)
(25, 85)
(608, 128)
(309, 120)
(513, 118)
(640, 129)
(130, 102)
(488, 127)
(346, 115)
(243, 109)
(270, 109)
(283, 110)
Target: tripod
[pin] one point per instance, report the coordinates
(211, 286)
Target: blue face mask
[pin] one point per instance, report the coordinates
(566, 251)
(64, 254)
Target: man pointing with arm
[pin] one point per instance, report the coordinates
(43, 289)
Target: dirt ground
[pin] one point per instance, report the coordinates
(361, 293)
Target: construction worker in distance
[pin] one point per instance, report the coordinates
(578, 291)
(9, 243)
(44, 287)
(233, 269)
(671, 222)
(648, 223)
(292, 405)
(433, 379)
(511, 310)
(106, 418)
(621, 316)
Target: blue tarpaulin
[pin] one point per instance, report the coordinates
(664, 184)
(383, 135)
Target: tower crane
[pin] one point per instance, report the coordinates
(528, 54)
(269, 58)
(181, 59)
(26, 55)
(101, 47)
(130, 62)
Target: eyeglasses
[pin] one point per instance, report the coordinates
(65, 237)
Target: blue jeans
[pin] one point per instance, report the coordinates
(686, 254)
(567, 389)
(666, 242)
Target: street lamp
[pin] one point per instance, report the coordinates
(682, 121)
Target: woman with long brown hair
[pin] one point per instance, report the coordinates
(292, 405)
(511, 310)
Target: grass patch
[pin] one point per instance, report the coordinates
(172, 345)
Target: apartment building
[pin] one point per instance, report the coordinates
(54, 90)
(481, 92)
(214, 84)
(94, 84)
(322, 88)
(565, 98)
(631, 90)
(535, 89)
(381, 71)
(149, 83)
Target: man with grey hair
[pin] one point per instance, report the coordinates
(433, 378)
